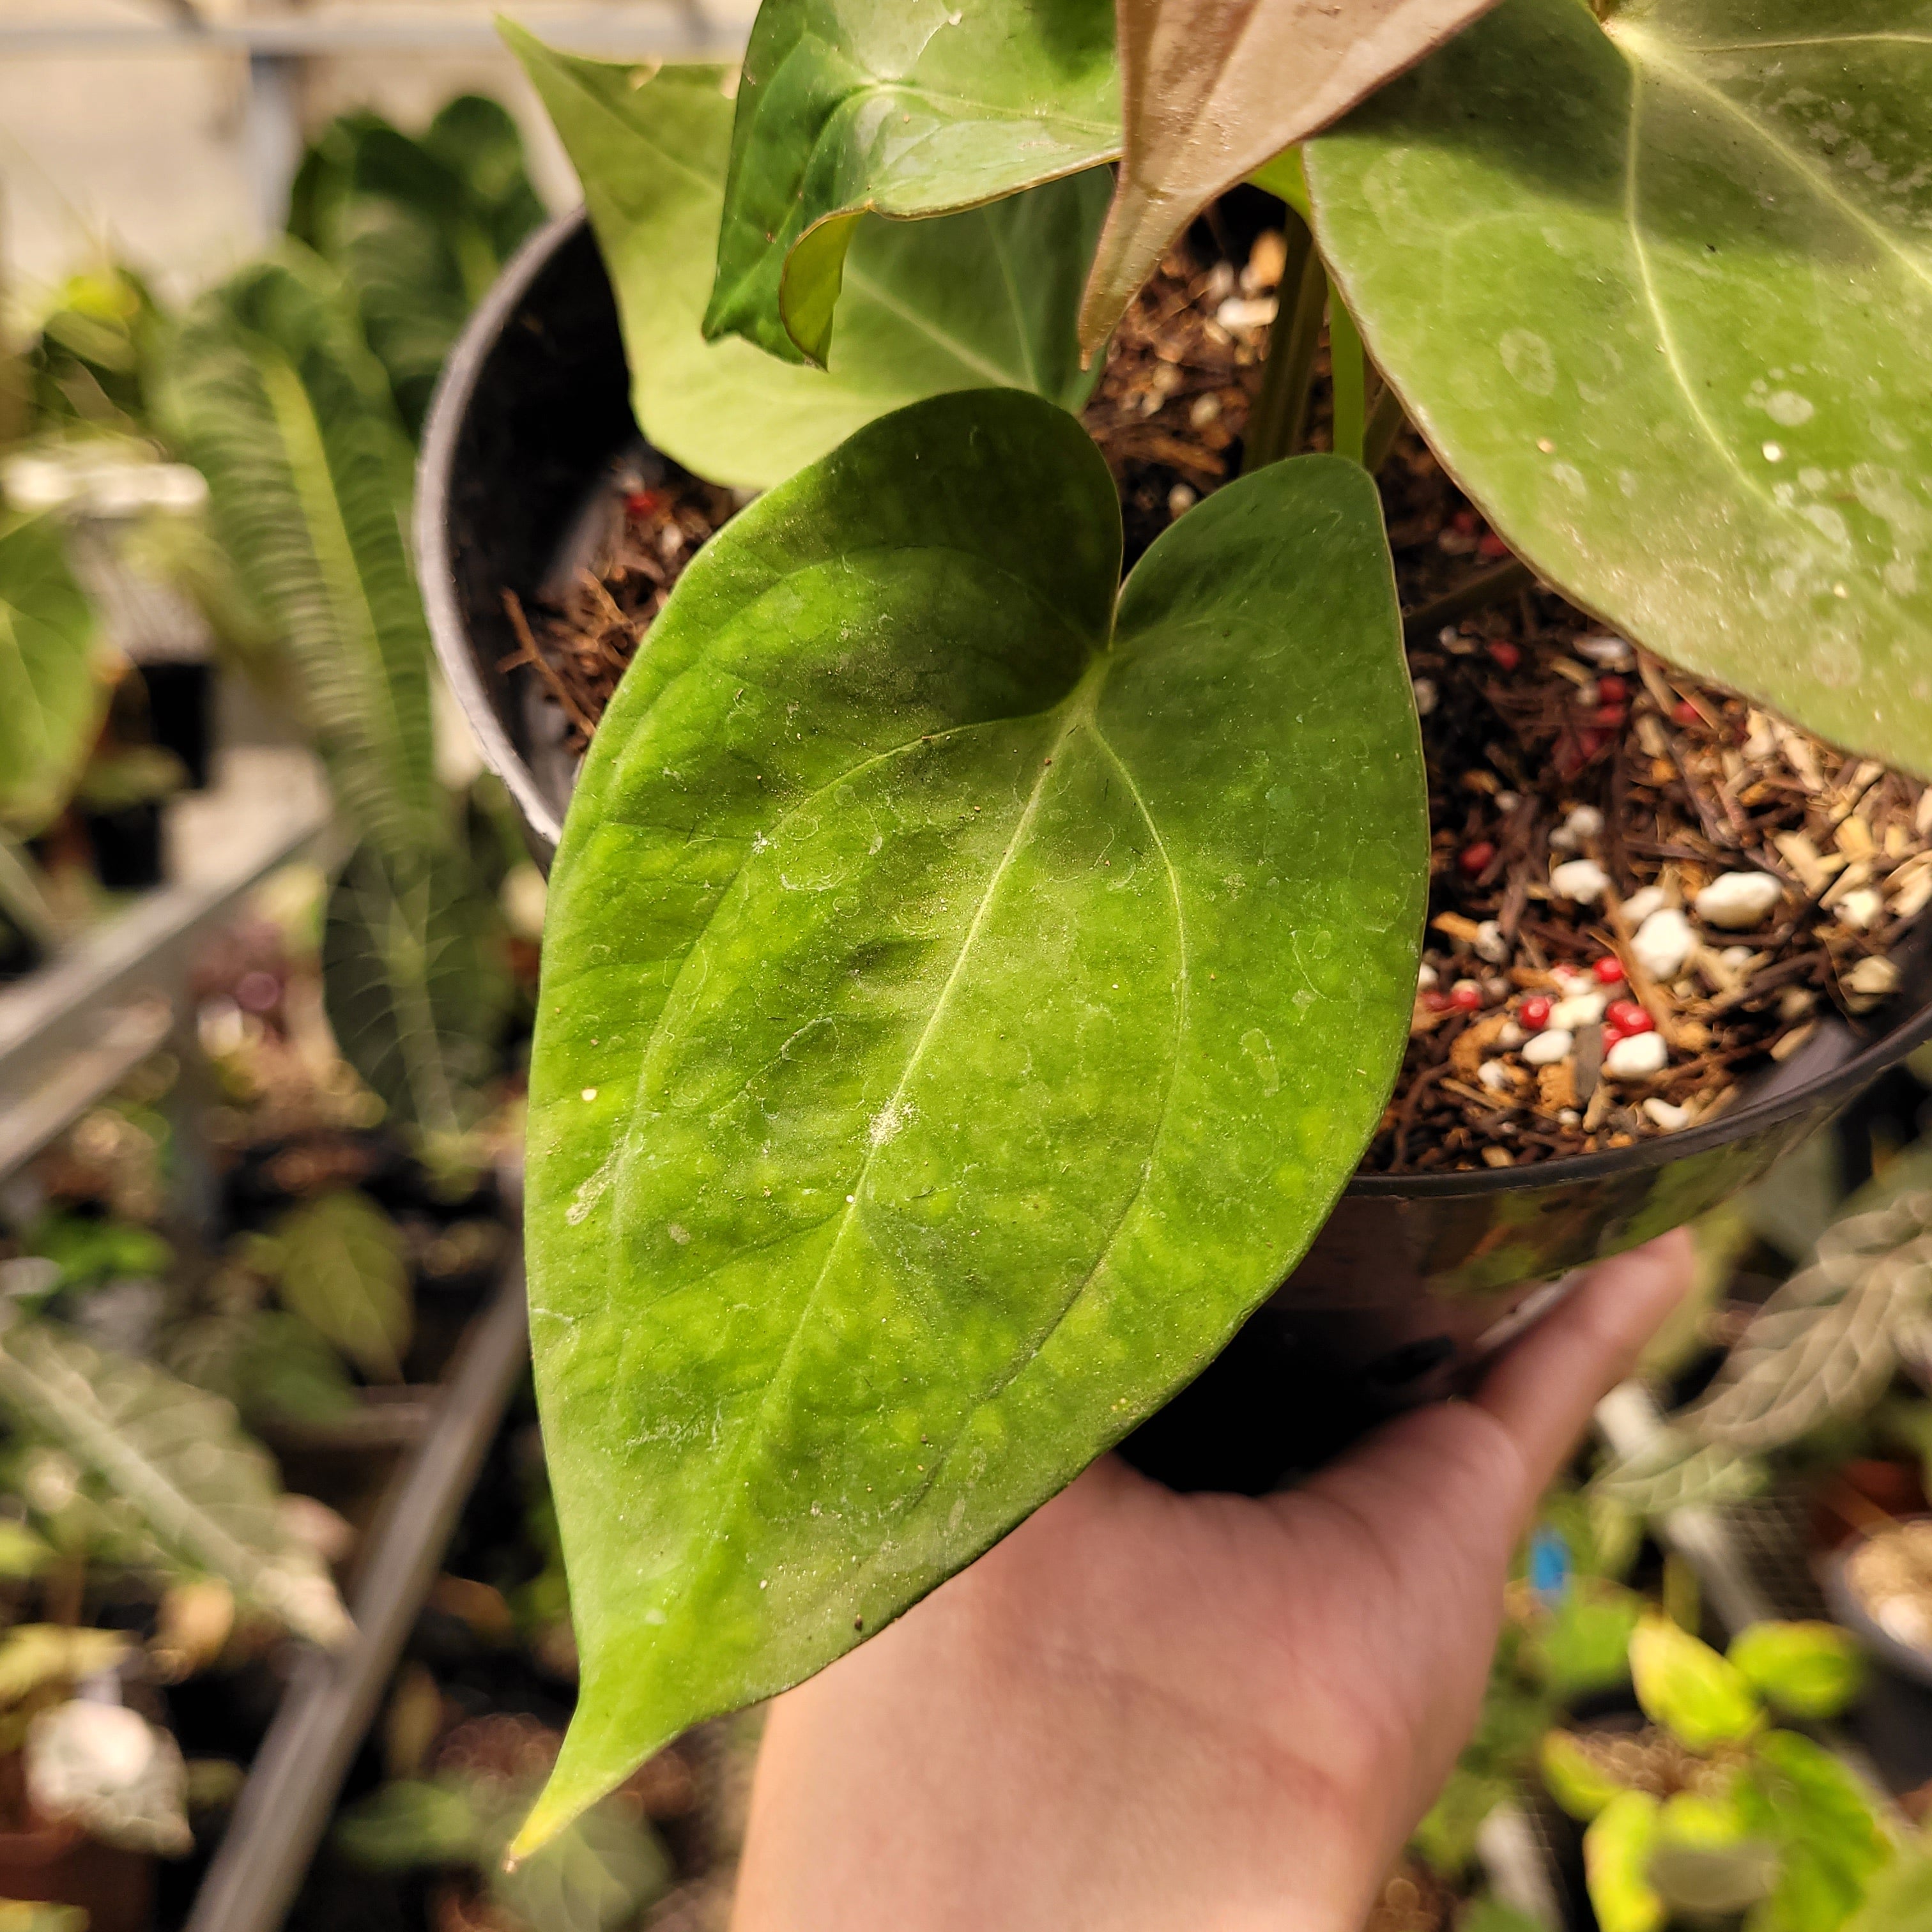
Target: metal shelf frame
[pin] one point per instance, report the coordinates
(71, 1031)
(680, 29)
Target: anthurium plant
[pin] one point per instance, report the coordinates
(970, 980)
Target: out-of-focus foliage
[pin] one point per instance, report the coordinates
(91, 361)
(274, 396)
(418, 227)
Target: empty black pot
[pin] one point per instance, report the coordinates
(1414, 1277)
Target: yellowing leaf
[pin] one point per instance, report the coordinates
(1811, 1670)
(32, 1655)
(1573, 1776)
(1616, 1865)
(1705, 1859)
(1211, 89)
(1685, 1685)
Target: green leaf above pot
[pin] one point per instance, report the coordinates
(986, 296)
(967, 986)
(914, 109)
(52, 693)
(1659, 293)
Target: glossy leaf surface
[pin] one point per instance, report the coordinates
(961, 1004)
(988, 296)
(1211, 91)
(51, 692)
(914, 109)
(1659, 293)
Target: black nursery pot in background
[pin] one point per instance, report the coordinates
(128, 846)
(181, 713)
(1415, 1276)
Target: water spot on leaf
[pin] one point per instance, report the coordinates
(1527, 357)
(1254, 1044)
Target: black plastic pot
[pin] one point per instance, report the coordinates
(127, 847)
(181, 713)
(1414, 1276)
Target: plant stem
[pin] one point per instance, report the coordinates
(1348, 373)
(1385, 422)
(1474, 593)
(1280, 413)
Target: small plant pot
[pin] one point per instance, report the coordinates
(58, 1864)
(1414, 1277)
(128, 846)
(1836, 1576)
(181, 713)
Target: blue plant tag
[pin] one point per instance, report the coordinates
(1549, 1567)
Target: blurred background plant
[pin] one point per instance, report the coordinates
(291, 391)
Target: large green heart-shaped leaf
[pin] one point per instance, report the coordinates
(51, 691)
(962, 1002)
(988, 296)
(1211, 92)
(914, 109)
(1659, 293)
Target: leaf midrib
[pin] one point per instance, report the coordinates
(1079, 707)
(876, 84)
(1023, 1360)
(966, 357)
(87, 1420)
(1642, 49)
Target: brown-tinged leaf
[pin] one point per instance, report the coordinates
(1211, 89)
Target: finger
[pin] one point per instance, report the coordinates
(1546, 1384)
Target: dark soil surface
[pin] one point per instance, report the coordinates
(1643, 889)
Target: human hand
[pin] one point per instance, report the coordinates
(1144, 1710)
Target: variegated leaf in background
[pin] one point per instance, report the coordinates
(1825, 1345)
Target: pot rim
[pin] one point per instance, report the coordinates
(1911, 1031)
(436, 574)
(435, 467)
(1849, 1609)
